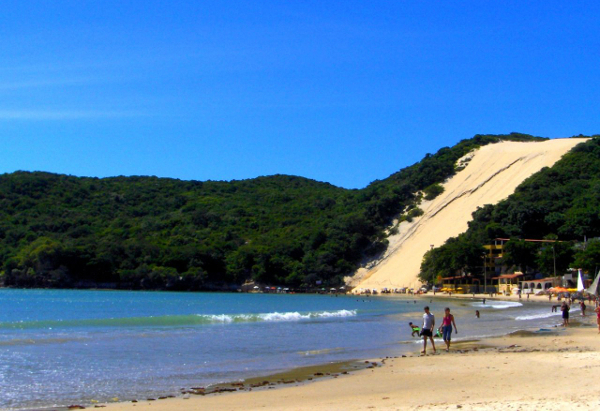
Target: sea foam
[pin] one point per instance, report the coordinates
(498, 305)
(276, 316)
(542, 315)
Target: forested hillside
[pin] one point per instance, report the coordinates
(158, 233)
(559, 203)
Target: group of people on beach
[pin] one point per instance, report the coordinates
(565, 308)
(427, 330)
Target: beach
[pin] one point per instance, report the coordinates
(526, 371)
(348, 352)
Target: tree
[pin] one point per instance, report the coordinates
(588, 258)
(519, 253)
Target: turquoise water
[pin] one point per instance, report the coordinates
(59, 347)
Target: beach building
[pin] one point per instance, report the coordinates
(508, 283)
(535, 286)
(461, 284)
(493, 256)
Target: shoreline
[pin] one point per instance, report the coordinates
(307, 387)
(320, 373)
(516, 368)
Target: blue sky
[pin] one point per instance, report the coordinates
(339, 91)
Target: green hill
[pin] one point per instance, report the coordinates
(158, 233)
(558, 203)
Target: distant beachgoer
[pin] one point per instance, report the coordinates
(427, 330)
(415, 330)
(447, 323)
(583, 307)
(549, 297)
(555, 308)
(484, 300)
(528, 296)
(597, 310)
(565, 313)
(476, 313)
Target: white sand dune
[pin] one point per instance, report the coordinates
(491, 175)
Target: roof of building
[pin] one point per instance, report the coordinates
(543, 280)
(507, 276)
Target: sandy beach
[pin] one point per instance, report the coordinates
(549, 370)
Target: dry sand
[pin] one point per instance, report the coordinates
(491, 175)
(525, 372)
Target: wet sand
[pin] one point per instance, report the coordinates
(547, 370)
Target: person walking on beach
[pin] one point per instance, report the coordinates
(447, 323)
(565, 313)
(427, 330)
(597, 310)
(583, 307)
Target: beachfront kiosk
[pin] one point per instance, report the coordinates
(508, 283)
(536, 286)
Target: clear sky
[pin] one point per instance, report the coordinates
(339, 91)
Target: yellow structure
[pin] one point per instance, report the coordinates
(493, 251)
(508, 283)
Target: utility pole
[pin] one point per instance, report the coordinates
(554, 258)
(433, 263)
(484, 275)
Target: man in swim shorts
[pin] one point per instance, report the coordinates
(565, 313)
(427, 330)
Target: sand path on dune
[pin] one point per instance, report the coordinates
(492, 174)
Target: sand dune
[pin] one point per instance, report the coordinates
(491, 175)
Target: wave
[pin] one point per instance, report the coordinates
(180, 320)
(287, 316)
(539, 316)
(499, 305)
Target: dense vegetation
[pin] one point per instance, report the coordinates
(560, 203)
(157, 233)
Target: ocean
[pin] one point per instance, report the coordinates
(62, 347)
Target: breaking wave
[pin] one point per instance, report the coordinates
(180, 320)
(499, 305)
(540, 316)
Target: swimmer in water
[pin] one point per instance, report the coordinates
(415, 330)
